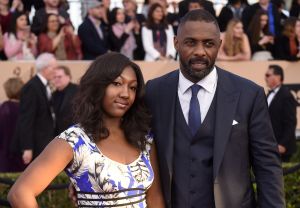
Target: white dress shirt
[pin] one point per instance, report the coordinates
(205, 95)
(45, 83)
(272, 95)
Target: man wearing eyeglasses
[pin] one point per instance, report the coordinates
(282, 109)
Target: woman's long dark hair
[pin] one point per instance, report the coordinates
(113, 15)
(255, 27)
(88, 111)
(150, 21)
(12, 29)
(44, 26)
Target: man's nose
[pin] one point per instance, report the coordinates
(200, 50)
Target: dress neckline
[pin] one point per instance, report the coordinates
(119, 163)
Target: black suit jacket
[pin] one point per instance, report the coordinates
(62, 103)
(237, 148)
(35, 125)
(91, 44)
(282, 111)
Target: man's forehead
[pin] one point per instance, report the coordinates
(198, 29)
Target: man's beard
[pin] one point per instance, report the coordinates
(196, 75)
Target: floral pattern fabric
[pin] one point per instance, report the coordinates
(102, 182)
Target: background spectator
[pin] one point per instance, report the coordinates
(282, 109)
(36, 123)
(235, 43)
(6, 11)
(122, 34)
(37, 4)
(274, 17)
(286, 45)
(157, 35)
(105, 15)
(207, 5)
(51, 7)
(92, 32)
(297, 31)
(19, 42)
(261, 41)
(233, 9)
(59, 39)
(1, 45)
(9, 110)
(63, 97)
(295, 9)
(130, 8)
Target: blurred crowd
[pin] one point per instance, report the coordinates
(261, 31)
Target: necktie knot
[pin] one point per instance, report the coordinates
(195, 89)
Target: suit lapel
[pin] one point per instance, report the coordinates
(227, 99)
(41, 87)
(167, 116)
(276, 98)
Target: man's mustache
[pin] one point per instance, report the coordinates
(198, 60)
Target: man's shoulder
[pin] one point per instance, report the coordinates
(87, 23)
(172, 74)
(285, 92)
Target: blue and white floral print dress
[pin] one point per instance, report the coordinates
(102, 182)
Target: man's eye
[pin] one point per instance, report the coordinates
(190, 42)
(209, 44)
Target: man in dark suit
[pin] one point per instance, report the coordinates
(212, 128)
(282, 109)
(36, 122)
(62, 98)
(93, 33)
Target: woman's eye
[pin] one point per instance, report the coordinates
(116, 83)
(133, 88)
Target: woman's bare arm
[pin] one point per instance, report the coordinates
(39, 174)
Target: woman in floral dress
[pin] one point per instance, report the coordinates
(107, 154)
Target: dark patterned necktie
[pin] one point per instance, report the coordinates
(194, 112)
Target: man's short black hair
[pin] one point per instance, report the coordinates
(200, 15)
(277, 70)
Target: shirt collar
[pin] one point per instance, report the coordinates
(276, 89)
(43, 79)
(208, 83)
(94, 21)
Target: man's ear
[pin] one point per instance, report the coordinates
(175, 42)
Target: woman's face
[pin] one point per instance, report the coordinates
(4, 2)
(53, 23)
(297, 28)
(120, 16)
(238, 30)
(263, 20)
(157, 14)
(22, 22)
(120, 94)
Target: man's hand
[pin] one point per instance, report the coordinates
(27, 156)
(281, 149)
